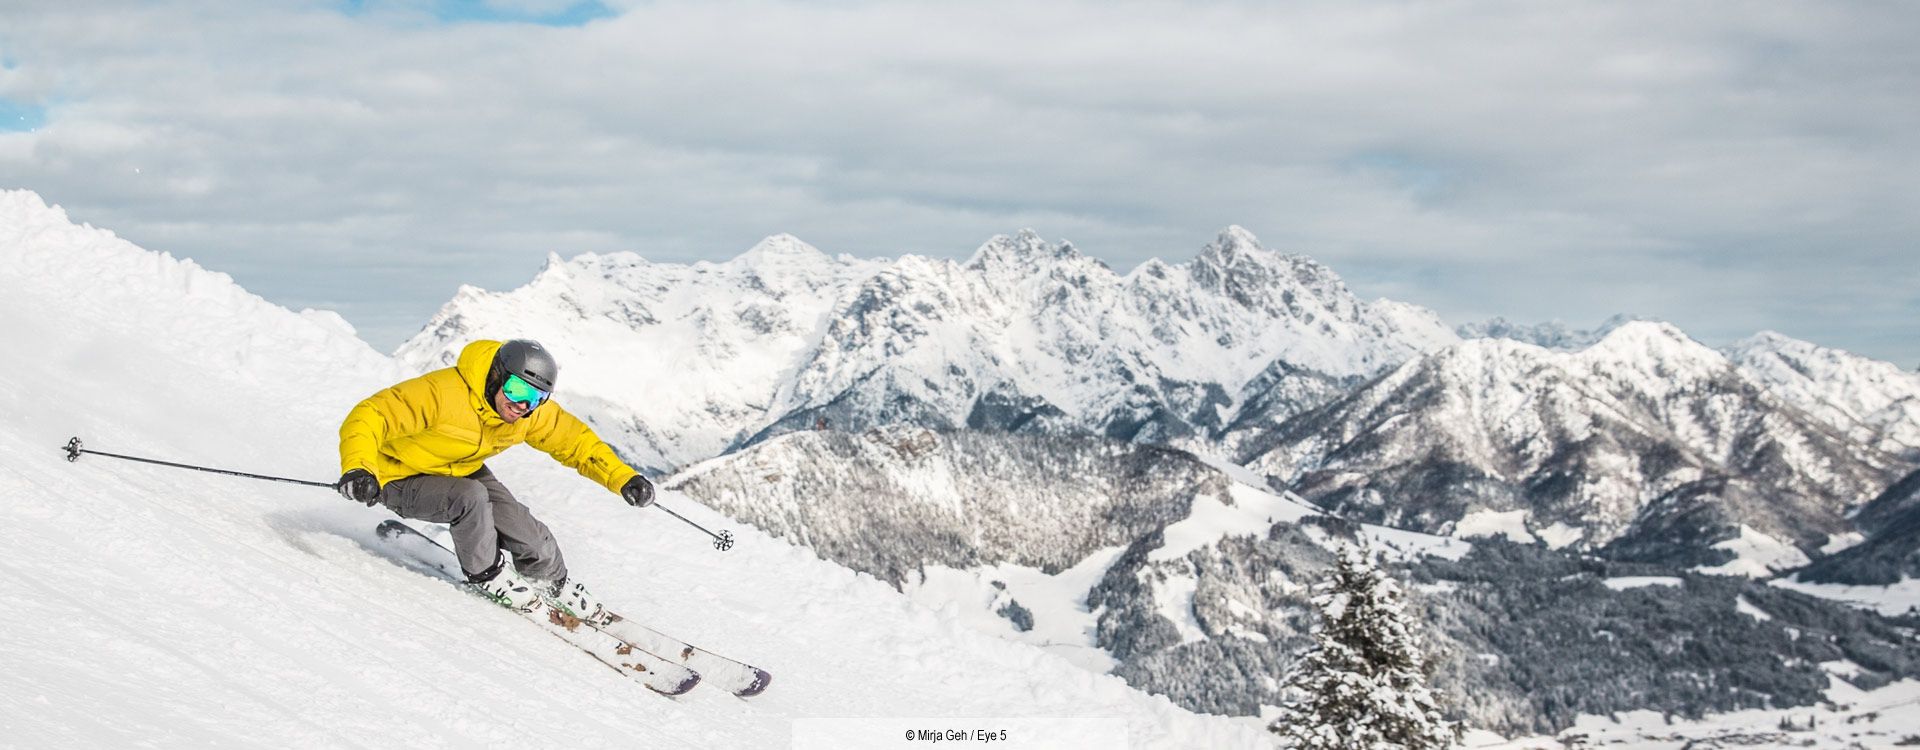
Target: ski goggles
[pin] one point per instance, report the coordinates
(521, 391)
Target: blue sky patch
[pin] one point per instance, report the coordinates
(21, 116)
(476, 11)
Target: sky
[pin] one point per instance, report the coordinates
(1728, 166)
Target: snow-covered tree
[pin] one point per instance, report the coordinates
(1363, 685)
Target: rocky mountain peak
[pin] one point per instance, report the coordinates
(1023, 253)
(1651, 347)
(1237, 266)
(1233, 244)
(781, 248)
(1233, 247)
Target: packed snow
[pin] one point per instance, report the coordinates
(1252, 512)
(1559, 535)
(1622, 583)
(1062, 623)
(1746, 608)
(1756, 555)
(1902, 598)
(1511, 524)
(1840, 542)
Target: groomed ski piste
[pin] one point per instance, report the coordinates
(152, 606)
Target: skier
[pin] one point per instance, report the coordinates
(420, 447)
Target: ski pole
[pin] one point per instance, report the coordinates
(74, 450)
(722, 541)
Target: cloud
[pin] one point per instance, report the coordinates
(1723, 167)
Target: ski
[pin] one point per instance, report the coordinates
(739, 678)
(657, 673)
(734, 676)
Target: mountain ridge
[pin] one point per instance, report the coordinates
(1632, 438)
(1024, 334)
(1588, 438)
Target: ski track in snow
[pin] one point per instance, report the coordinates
(157, 606)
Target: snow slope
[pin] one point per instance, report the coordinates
(1872, 402)
(158, 606)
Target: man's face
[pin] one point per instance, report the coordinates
(509, 411)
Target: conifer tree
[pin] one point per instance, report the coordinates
(1363, 684)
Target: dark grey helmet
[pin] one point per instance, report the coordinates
(530, 361)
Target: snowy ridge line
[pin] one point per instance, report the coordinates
(1873, 402)
(1022, 331)
(1614, 443)
(1589, 442)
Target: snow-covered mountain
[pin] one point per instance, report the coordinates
(1646, 440)
(1888, 552)
(1190, 579)
(676, 362)
(1631, 434)
(1075, 544)
(1023, 336)
(894, 500)
(1871, 402)
(153, 606)
(1045, 335)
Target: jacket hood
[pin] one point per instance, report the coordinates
(476, 360)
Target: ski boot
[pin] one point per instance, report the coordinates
(572, 597)
(505, 587)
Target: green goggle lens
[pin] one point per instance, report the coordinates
(523, 392)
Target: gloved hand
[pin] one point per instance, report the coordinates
(359, 486)
(638, 492)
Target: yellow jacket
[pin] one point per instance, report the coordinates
(441, 423)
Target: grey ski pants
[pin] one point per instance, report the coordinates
(485, 518)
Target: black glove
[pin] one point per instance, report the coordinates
(638, 492)
(359, 486)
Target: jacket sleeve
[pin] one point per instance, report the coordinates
(572, 443)
(403, 409)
